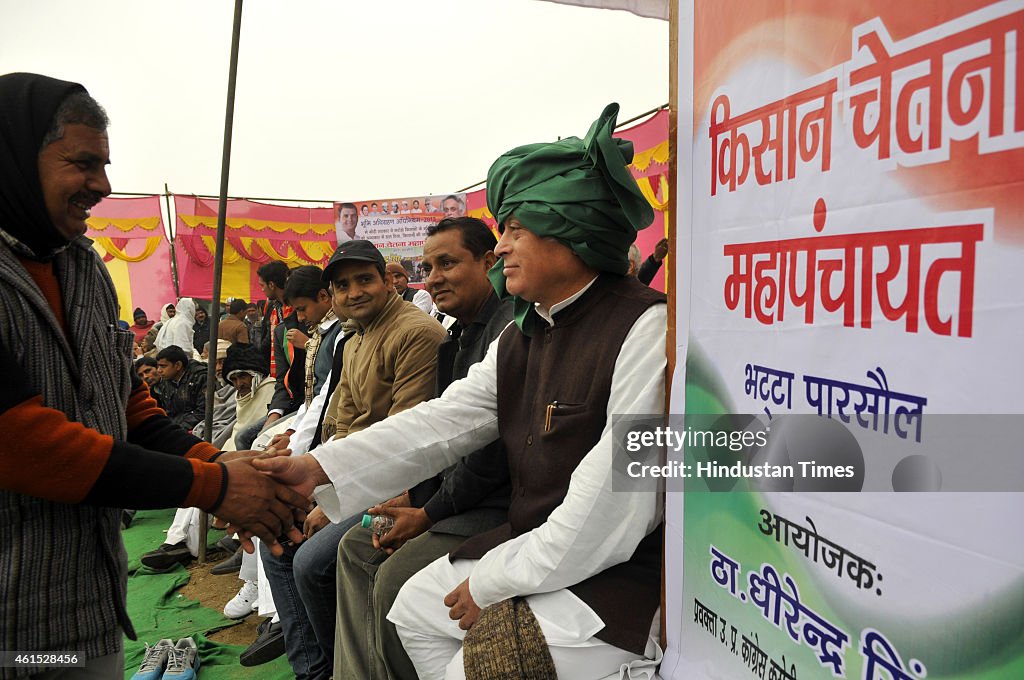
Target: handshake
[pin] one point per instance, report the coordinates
(267, 495)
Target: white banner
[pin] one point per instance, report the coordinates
(855, 244)
(397, 226)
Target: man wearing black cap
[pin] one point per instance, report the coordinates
(570, 585)
(86, 438)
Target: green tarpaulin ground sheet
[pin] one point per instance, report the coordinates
(158, 611)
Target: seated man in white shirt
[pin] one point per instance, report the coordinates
(588, 343)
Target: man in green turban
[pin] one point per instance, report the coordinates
(588, 342)
(578, 193)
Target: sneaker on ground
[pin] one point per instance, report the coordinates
(183, 661)
(242, 604)
(167, 556)
(154, 661)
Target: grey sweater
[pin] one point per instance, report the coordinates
(63, 575)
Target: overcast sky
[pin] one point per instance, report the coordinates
(337, 100)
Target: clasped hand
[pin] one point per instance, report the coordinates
(255, 504)
(293, 478)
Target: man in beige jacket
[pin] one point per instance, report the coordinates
(390, 363)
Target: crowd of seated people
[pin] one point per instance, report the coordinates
(454, 443)
(356, 353)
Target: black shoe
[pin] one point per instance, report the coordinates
(126, 518)
(166, 557)
(231, 565)
(269, 645)
(228, 544)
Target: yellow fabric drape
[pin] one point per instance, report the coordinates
(313, 248)
(236, 281)
(119, 274)
(323, 249)
(231, 255)
(152, 243)
(123, 224)
(661, 206)
(648, 192)
(298, 228)
(658, 154)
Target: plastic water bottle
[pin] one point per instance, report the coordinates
(378, 524)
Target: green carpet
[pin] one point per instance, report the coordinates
(158, 611)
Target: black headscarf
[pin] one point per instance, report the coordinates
(28, 103)
(244, 357)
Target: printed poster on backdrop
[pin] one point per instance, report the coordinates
(397, 226)
(856, 243)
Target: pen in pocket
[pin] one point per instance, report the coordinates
(547, 416)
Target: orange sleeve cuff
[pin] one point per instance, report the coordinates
(54, 458)
(207, 480)
(141, 407)
(203, 451)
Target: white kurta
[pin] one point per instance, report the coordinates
(306, 419)
(594, 527)
(423, 300)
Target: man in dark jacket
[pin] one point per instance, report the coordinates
(653, 262)
(201, 328)
(290, 360)
(254, 324)
(181, 391)
(272, 278)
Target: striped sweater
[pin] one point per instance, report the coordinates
(84, 438)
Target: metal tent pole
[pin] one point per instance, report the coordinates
(218, 261)
(171, 234)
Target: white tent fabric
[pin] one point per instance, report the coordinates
(654, 9)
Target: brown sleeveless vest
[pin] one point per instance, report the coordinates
(571, 364)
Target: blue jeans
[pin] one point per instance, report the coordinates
(303, 582)
(245, 437)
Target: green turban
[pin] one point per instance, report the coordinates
(577, 191)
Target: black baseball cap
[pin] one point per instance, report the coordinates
(359, 250)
